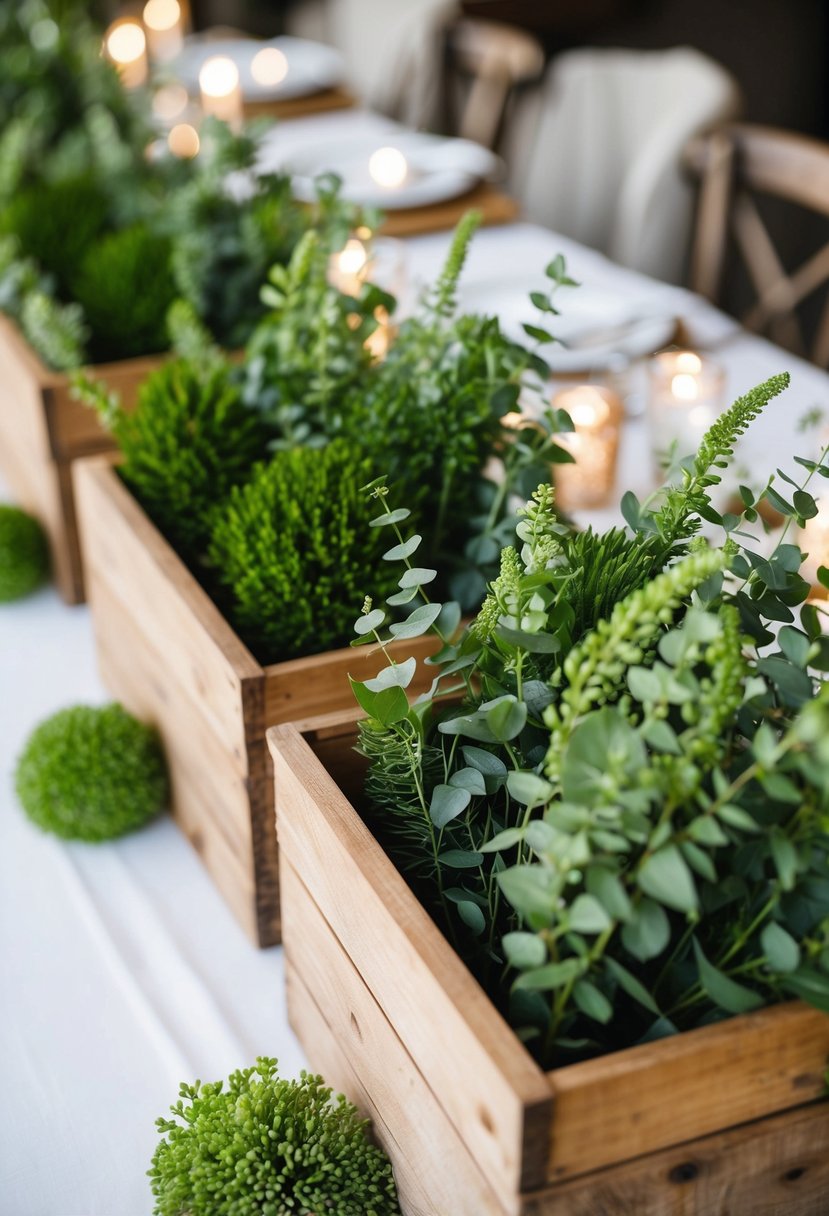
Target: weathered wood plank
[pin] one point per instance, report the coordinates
(778, 1166)
(201, 652)
(758, 1064)
(497, 1099)
(378, 1074)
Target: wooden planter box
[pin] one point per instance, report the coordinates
(167, 653)
(721, 1121)
(42, 431)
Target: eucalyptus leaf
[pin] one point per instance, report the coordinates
(592, 1001)
(524, 950)
(665, 877)
(417, 623)
(648, 931)
(448, 801)
(402, 551)
(398, 675)
(780, 948)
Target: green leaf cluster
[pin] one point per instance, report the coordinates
(290, 550)
(91, 773)
(263, 1146)
(24, 554)
(615, 796)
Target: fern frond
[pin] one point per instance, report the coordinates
(56, 331)
(443, 300)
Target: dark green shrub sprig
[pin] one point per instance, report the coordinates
(24, 554)
(187, 443)
(91, 773)
(266, 1146)
(293, 548)
(125, 285)
(621, 815)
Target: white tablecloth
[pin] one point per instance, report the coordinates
(122, 970)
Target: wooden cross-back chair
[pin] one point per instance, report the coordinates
(735, 163)
(494, 59)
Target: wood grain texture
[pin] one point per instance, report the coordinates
(495, 207)
(379, 1074)
(167, 652)
(777, 1166)
(493, 1093)
(42, 431)
(638, 1112)
(761, 1063)
(301, 107)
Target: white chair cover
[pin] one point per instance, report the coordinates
(596, 151)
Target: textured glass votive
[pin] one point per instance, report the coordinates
(686, 395)
(594, 444)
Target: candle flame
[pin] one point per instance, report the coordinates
(684, 387)
(689, 363)
(219, 77)
(125, 42)
(162, 15)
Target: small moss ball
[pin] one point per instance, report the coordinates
(91, 773)
(24, 554)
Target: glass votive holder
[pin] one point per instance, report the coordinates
(686, 396)
(596, 413)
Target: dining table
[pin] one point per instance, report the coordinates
(123, 971)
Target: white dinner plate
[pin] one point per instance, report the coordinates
(312, 66)
(439, 168)
(595, 326)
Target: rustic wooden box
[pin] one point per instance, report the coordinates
(167, 653)
(721, 1121)
(42, 431)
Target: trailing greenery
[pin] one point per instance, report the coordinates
(125, 286)
(91, 773)
(293, 548)
(266, 1146)
(24, 554)
(614, 799)
(187, 443)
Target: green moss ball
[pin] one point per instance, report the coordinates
(91, 773)
(263, 1146)
(24, 554)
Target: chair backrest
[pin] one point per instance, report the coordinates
(491, 59)
(602, 151)
(734, 164)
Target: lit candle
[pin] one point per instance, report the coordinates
(378, 342)
(387, 168)
(686, 396)
(594, 444)
(813, 539)
(221, 92)
(269, 67)
(164, 23)
(347, 269)
(183, 141)
(125, 44)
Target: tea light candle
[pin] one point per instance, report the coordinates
(347, 269)
(221, 92)
(164, 23)
(378, 342)
(125, 45)
(388, 168)
(686, 396)
(594, 444)
(813, 539)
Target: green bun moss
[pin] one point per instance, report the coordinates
(91, 773)
(265, 1146)
(24, 554)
